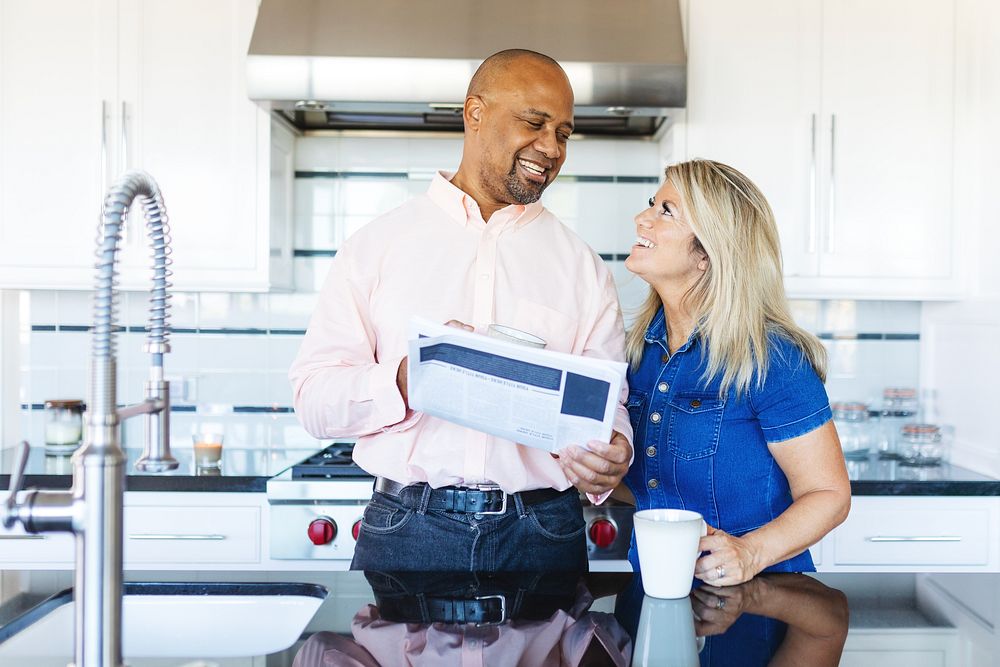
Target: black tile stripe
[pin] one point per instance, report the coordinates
(248, 331)
(405, 175)
(867, 336)
(237, 409)
(313, 252)
(352, 174)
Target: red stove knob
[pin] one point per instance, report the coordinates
(356, 529)
(322, 530)
(602, 533)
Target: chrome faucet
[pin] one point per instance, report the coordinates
(93, 508)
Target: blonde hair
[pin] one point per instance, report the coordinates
(739, 301)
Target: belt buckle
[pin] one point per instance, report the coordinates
(503, 502)
(503, 606)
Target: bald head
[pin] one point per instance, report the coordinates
(494, 70)
(518, 117)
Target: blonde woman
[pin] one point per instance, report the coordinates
(726, 394)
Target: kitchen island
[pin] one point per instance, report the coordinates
(599, 618)
(252, 515)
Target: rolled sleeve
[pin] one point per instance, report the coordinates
(793, 400)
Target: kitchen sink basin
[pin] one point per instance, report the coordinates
(176, 620)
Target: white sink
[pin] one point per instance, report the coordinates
(177, 620)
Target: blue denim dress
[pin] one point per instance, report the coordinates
(697, 451)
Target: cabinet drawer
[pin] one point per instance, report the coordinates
(914, 537)
(24, 549)
(191, 535)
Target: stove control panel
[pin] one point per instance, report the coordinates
(314, 531)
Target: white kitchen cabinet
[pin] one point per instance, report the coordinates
(842, 112)
(916, 534)
(169, 76)
(904, 647)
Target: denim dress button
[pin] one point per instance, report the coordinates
(652, 484)
(655, 417)
(696, 403)
(662, 387)
(665, 358)
(650, 451)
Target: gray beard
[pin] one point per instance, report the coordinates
(513, 190)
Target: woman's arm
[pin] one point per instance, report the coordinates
(821, 499)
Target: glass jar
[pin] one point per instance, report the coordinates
(921, 445)
(899, 407)
(63, 426)
(854, 429)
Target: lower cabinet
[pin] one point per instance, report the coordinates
(908, 647)
(915, 534)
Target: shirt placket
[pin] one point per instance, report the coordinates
(483, 303)
(656, 430)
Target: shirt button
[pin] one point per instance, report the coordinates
(696, 403)
(665, 358)
(655, 417)
(663, 386)
(650, 451)
(652, 484)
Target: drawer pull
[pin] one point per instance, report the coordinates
(915, 538)
(157, 536)
(22, 537)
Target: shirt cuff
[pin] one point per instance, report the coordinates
(390, 410)
(597, 499)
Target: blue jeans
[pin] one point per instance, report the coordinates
(545, 536)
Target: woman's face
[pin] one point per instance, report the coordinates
(663, 253)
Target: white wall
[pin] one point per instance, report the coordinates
(961, 340)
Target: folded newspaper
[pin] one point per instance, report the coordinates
(533, 397)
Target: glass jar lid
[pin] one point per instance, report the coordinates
(73, 404)
(921, 432)
(849, 410)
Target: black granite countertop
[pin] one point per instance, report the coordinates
(244, 469)
(374, 619)
(247, 469)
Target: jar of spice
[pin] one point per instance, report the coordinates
(854, 429)
(63, 426)
(921, 445)
(899, 407)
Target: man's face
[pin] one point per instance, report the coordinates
(522, 137)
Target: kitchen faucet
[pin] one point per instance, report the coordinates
(93, 507)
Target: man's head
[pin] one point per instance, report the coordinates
(518, 117)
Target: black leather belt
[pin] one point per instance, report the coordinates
(483, 499)
(482, 609)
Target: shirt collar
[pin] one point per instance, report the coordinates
(464, 210)
(656, 332)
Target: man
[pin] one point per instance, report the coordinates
(478, 248)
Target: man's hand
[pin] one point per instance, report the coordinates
(598, 468)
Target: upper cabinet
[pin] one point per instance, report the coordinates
(842, 111)
(156, 85)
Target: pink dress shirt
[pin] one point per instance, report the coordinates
(435, 257)
(560, 641)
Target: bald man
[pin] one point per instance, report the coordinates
(477, 248)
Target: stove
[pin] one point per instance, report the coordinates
(315, 509)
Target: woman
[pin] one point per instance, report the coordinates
(726, 393)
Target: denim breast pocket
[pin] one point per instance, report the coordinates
(695, 422)
(636, 405)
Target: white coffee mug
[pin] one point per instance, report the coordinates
(667, 541)
(665, 636)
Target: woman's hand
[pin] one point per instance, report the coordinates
(716, 608)
(731, 560)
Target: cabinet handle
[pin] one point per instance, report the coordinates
(123, 167)
(832, 205)
(165, 536)
(105, 155)
(914, 538)
(812, 187)
(22, 537)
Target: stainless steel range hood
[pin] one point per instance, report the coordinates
(405, 64)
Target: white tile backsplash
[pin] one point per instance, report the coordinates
(251, 369)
